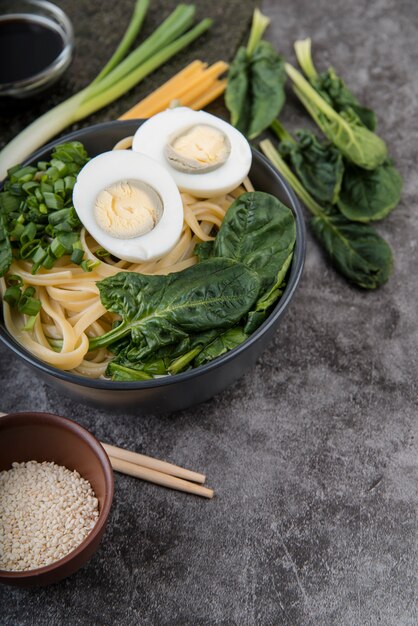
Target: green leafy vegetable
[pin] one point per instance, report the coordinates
(116, 78)
(368, 195)
(356, 142)
(259, 231)
(38, 220)
(190, 351)
(121, 372)
(168, 359)
(255, 90)
(264, 304)
(356, 250)
(319, 166)
(24, 300)
(5, 248)
(228, 340)
(170, 323)
(331, 87)
(157, 311)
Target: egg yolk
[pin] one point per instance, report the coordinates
(127, 209)
(201, 147)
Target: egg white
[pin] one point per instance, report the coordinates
(120, 165)
(153, 135)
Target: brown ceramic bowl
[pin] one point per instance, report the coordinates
(47, 437)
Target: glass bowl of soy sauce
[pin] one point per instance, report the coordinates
(36, 46)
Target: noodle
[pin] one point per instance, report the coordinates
(71, 307)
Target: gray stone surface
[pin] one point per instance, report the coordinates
(312, 453)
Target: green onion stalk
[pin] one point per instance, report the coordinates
(118, 76)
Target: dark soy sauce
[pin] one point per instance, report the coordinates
(28, 45)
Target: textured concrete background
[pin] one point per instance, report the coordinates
(312, 452)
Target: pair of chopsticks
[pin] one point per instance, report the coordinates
(156, 471)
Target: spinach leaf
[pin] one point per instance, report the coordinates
(333, 89)
(368, 195)
(194, 351)
(262, 309)
(168, 359)
(158, 311)
(319, 166)
(356, 142)
(116, 371)
(337, 112)
(255, 89)
(356, 250)
(224, 342)
(237, 98)
(259, 231)
(5, 248)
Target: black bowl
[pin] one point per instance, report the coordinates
(172, 393)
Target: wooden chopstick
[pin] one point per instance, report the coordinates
(154, 464)
(166, 480)
(156, 471)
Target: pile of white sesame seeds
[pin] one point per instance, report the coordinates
(46, 511)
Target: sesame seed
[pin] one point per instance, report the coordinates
(46, 511)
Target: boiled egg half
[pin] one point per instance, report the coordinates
(205, 155)
(130, 204)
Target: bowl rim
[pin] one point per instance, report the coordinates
(25, 417)
(98, 383)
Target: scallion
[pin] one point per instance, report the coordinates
(12, 295)
(116, 78)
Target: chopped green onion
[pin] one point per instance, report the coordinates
(38, 193)
(14, 279)
(53, 201)
(60, 166)
(59, 186)
(29, 306)
(17, 231)
(77, 256)
(39, 254)
(29, 291)
(57, 217)
(69, 182)
(30, 322)
(48, 262)
(28, 234)
(56, 344)
(27, 187)
(101, 253)
(21, 172)
(29, 249)
(57, 248)
(12, 295)
(88, 265)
